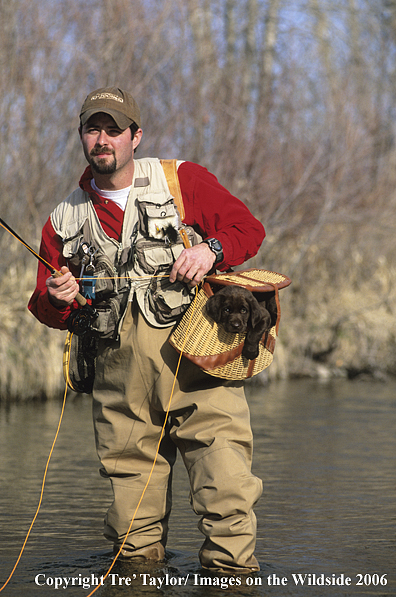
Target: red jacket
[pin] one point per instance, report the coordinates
(209, 207)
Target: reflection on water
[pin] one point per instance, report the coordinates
(326, 453)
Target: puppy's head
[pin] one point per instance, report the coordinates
(235, 308)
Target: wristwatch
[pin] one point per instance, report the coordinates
(217, 248)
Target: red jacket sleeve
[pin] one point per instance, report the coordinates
(219, 214)
(51, 250)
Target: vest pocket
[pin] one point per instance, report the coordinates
(158, 221)
(151, 253)
(167, 301)
(109, 315)
(105, 276)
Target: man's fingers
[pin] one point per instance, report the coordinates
(192, 265)
(62, 290)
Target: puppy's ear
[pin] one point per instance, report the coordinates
(273, 310)
(213, 307)
(256, 314)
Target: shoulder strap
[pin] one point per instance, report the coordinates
(170, 170)
(172, 178)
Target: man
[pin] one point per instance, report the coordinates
(123, 216)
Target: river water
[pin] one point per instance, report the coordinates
(325, 451)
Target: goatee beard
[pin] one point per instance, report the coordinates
(102, 166)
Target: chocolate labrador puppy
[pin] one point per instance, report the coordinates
(239, 311)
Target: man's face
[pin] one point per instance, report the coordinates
(106, 147)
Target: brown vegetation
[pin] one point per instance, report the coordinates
(290, 104)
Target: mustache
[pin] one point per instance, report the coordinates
(99, 150)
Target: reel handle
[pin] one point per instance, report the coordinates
(80, 320)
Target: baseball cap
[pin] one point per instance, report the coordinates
(119, 104)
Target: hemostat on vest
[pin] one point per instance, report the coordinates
(87, 273)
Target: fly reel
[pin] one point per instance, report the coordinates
(80, 320)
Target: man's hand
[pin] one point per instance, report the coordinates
(192, 264)
(62, 290)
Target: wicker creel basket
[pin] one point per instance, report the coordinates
(208, 345)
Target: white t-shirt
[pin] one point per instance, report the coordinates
(120, 197)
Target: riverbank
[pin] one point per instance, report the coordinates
(327, 330)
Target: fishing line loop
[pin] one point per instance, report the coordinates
(148, 479)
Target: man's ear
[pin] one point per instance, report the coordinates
(137, 138)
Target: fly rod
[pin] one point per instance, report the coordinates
(79, 321)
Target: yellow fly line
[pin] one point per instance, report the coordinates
(144, 489)
(154, 462)
(147, 277)
(41, 493)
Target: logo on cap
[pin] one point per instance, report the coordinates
(100, 96)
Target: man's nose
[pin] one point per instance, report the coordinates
(102, 138)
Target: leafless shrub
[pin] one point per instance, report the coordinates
(290, 104)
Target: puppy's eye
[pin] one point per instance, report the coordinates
(226, 310)
(243, 310)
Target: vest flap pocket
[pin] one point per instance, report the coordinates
(168, 301)
(153, 255)
(168, 210)
(71, 246)
(105, 276)
(155, 198)
(157, 220)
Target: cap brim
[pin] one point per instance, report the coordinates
(122, 121)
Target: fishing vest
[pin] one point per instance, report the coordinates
(138, 265)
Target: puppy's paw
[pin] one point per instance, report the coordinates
(250, 352)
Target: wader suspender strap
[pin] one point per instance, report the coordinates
(170, 171)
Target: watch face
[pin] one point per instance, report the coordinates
(215, 246)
